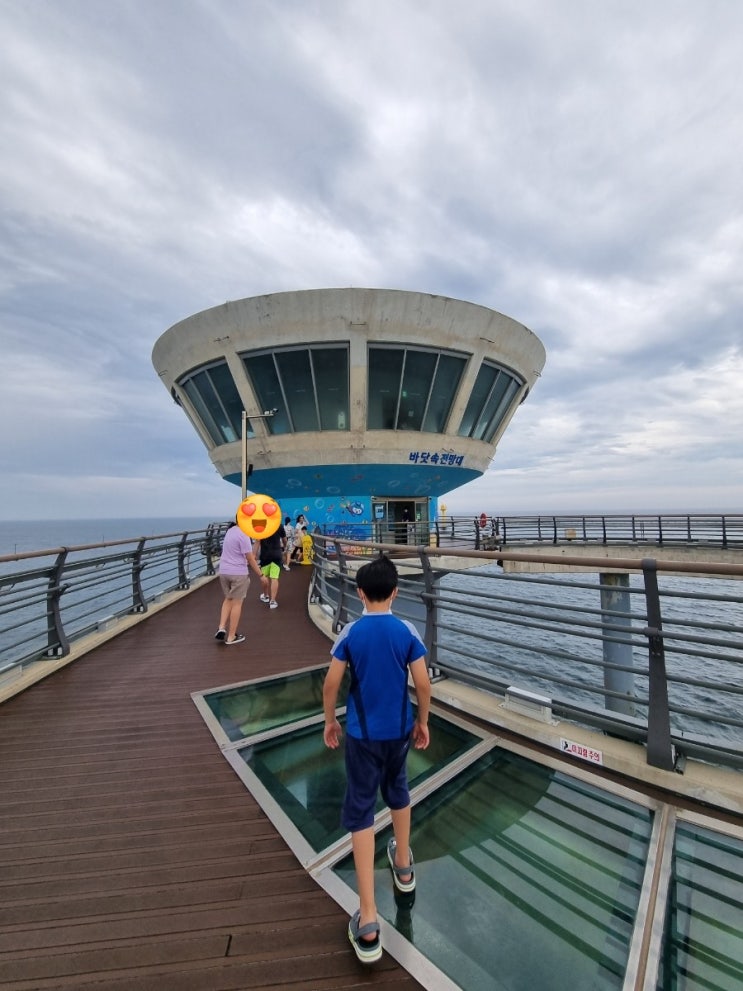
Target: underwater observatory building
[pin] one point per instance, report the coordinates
(353, 405)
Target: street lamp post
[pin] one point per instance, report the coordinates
(265, 415)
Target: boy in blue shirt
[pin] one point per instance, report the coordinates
(379, 650)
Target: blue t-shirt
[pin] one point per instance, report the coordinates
(378, 649)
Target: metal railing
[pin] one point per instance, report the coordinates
(652, 654)
(724, 531)
(51, 598)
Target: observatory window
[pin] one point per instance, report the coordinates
(412, 388)
(307, 386)
(445, 384)
(214, 396)
(489, 402)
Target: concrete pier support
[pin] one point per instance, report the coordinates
(615, 613)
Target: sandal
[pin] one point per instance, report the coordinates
(405, 886)
(368, 951)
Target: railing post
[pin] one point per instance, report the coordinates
(208, 547)
(183, 581)
(660, 750)
(615, 609)
(57, 643)
(139, 603)
(429, 637)
(724, 534)
(340, 617)
(477, 534)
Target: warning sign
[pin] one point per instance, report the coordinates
(573, 749)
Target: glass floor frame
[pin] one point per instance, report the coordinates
(612, 885)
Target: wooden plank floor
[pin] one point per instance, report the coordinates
(131, 856)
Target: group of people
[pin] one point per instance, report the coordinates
(294, 545)
(238, 559)
(379, 651)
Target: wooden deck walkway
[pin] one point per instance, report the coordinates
(131, 856)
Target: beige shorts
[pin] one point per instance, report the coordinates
(234, 586)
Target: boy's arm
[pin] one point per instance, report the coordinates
(331, 686)
(422, 685)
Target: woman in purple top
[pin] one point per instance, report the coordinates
(234, 579)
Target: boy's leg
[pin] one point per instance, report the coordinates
(401, 827)
(363, 859)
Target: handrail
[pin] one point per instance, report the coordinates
(488, 532)
(643, 652)
(58, 595)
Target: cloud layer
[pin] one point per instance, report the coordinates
(574, 165)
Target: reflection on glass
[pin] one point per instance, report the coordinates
(703, 943)
(215, 398)
(527, 879)
(308, 781)
(264, 378)
(330, 368)
(411, 388)
(249, 709)
(385, 373)
(416, 385)
(296, 376)
(307, 386)
(489, 402)
(443, 392)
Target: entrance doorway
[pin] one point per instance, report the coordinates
(400, 521)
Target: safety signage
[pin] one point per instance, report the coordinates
(573, 749)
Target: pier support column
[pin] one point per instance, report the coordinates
(615, 614)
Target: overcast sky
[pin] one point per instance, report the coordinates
(574, 164)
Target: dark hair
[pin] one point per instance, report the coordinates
(377, 579)
(287, 519)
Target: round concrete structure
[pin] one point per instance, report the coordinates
(354, 397)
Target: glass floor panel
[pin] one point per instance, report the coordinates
(703, 944)
(307, 780)
(246, 710)
(526, 879)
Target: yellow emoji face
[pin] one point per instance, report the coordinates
(259, 516)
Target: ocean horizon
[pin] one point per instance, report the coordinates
(23, 536)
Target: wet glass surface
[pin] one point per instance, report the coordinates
(703, 942)
(526, 878)
(308, 780)
(249, 709)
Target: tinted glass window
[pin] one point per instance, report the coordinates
(330, 368)
(308, 387)
(215, 398)
(385, 375)
(412, 388)
(489, 402)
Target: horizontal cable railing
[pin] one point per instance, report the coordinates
(51, 598)
(492, 532)
(648, 651)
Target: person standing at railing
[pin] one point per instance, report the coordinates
(235, 564)
(379, 650)
(289, 545)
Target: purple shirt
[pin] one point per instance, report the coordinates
(235, 546)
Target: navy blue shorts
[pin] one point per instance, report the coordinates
(371, 766)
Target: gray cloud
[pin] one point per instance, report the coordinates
(574, 165)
